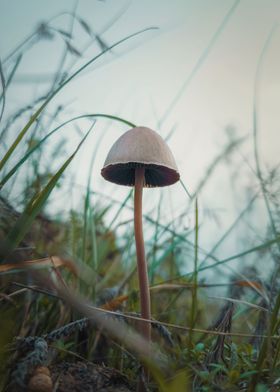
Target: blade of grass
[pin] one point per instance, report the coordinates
(200, 61)
(3, 96)
(164, 255)
(265, 347)
(89, 194)
(227, 151)
(255, 126)
(257, 248)
(64, 54)
(123, 204)
(103, 30)
(137, 318)
(14, 117)
(33, 149)
(34, 207)
(164, 227)
(94, 240)
(24, 42)
(241, 302)
(115, 329)
(263, 246)
(231, 227)
(195, 275)
(155, 240)
(11, 75)
(267, 343)
(56, 91)
(185, 189)
(87, 208)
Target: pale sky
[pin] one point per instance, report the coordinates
(140, 85)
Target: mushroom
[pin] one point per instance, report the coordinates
(141, 158)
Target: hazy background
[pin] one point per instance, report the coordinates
(177, 80)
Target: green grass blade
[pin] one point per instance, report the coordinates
(231, 227)
(155, 240)
(33, 149)
(186, 190)
(34, 207)
(195, 276)
(3, 96)
(200, 61)
(56, 91)
(88, 193)
(255, 127)
(164, 255)
(11, 75)
(95, 261)
(263, 246)
(20, 46)
(123, 204)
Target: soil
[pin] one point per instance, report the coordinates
(87, 377)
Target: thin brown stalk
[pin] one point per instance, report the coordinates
(140, 251)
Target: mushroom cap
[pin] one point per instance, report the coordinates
(140, 147)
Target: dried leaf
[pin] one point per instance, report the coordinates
(46, 262)
(115, 303)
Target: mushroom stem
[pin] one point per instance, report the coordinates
(140, 251)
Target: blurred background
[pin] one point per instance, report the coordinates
(207, 79)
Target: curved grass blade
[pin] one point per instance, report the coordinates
(231, 227)
(263, 246)
(200, 61)
(55, 92)
(20, 46)
(257, 248)
(33, 149)
(88, 211)
(195, 276)
(186, 190)
(11, 75)
(255, 127)
(34, 207)
(122, 205)
(3, 96)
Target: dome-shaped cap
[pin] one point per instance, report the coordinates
(140, 146)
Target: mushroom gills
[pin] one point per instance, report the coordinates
(155, 175)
